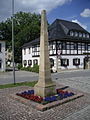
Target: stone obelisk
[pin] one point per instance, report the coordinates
(45, 86)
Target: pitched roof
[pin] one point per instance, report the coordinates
(60, 29)
(71, 25)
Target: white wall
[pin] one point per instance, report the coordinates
(71, 57)
(57, 63)
(2, 56)
(28, 56)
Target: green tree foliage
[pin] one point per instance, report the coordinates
(26, 29)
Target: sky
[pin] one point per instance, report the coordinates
(71, 10)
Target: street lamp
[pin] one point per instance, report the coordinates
(13, 42)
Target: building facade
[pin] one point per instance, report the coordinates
(2, 56)
(69, 47)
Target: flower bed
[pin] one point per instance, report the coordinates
(61, 94)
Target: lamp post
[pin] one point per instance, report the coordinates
(13, 41)
(58, 58)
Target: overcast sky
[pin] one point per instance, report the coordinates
(72, 10)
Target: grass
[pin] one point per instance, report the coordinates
(31, 84)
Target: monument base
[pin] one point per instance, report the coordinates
(45, 91)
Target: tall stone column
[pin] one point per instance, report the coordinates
(45, 86)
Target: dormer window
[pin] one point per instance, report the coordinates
(80, 34)
(71, 33)
(87, 35)
(84, 35)
(76, 34)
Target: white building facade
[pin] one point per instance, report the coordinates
(69, 47)
(2, 56)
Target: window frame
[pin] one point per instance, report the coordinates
(24, 51)
(76, 34)
(71, 33)
(25, 64)
(51, 62)
(76, 61)
(35, 60)
(29, 50)
(30, 62)
(80, 34)
(65, 64)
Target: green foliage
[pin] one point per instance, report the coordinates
(35, 68)
(19, 66)
(26, 29)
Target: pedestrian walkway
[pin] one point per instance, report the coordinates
(13, 110)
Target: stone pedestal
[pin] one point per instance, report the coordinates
(45, 86)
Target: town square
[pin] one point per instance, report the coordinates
(44, 68)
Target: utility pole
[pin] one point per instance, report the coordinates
(13, 42)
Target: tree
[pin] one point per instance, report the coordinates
(26, 29)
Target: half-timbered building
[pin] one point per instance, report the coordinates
(69, 46)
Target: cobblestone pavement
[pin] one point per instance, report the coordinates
(10, 109)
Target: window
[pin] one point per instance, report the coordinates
(34, 48)
(29, 50)
(25, 62)
(71, 33)
(75, 46)
(76, 61)
(54, 45)
(59, 45)
(35, 62)
(63, 46)
(51, 62)
(83, 46)
(0, 64)
(80, 34)
(72, 46)
(51, 47)
(24, 51)
(87, 35)
(29, 62)
(79, 46)
(0, 47)
(86, 46)
(64, 62)
(68, 46)
(89, 47)
(84, 35)
(76, 34)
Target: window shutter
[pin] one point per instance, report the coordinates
(67, 62)
(61, 62)
(78, 61)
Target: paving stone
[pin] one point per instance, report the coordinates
(13, 110)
